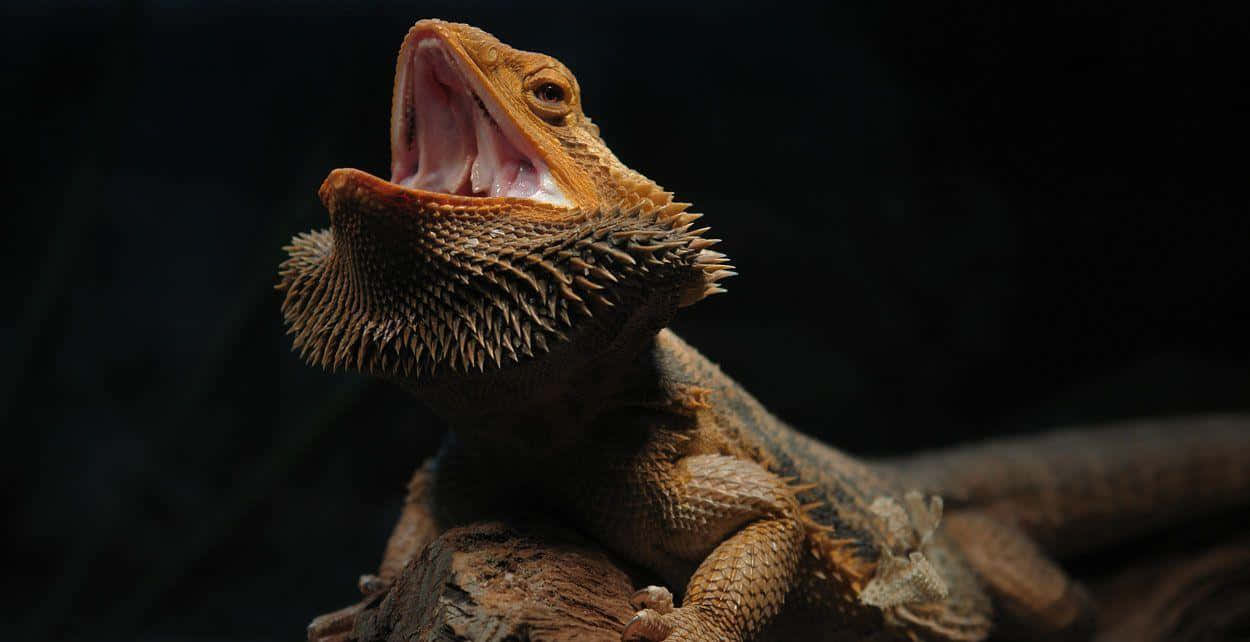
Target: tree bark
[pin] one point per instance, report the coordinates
(496, 582)
(504, 583)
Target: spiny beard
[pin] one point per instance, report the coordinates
(392, 292)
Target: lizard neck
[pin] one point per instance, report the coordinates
(549, 417)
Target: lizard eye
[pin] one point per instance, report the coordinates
(549, 93)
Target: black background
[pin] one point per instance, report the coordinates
(951, 219)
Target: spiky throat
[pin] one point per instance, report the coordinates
(399, 288)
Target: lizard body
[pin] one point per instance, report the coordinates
(516, 277)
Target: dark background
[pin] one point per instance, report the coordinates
(951, 219)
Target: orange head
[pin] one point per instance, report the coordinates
(506, 233)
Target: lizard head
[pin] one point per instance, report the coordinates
(509, 243)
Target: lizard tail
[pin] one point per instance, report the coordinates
(1075, 490)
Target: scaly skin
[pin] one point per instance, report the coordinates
(535, 328)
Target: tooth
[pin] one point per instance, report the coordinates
(526, 183)
(479, 176)
(504, 178)
(548, 191)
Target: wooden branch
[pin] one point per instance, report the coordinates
(504, 583)
(496, 582)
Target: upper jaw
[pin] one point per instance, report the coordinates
(450, 134)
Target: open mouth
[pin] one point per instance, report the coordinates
(448, 135)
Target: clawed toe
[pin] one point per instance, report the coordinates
(335, 626)
(657, 598)
(371, 584)
(647, 625)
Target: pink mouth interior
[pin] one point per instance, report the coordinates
(446, 139)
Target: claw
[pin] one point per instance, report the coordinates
(370, 584)
(647, 625)
(656, 598)
(333, 626)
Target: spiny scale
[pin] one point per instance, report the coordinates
(457, 290)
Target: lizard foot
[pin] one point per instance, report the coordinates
(337, 626)
(686, 624)
(656, 598)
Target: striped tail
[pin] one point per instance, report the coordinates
(1078, 489)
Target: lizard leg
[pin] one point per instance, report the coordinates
(416, 528)
(748, 519)
(1037, 599)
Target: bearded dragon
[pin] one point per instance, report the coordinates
(516, 277)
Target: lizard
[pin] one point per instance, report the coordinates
(518, 278)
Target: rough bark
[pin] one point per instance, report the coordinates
(496, 582)
(503, 583)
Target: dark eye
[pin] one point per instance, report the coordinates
(549, 92)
